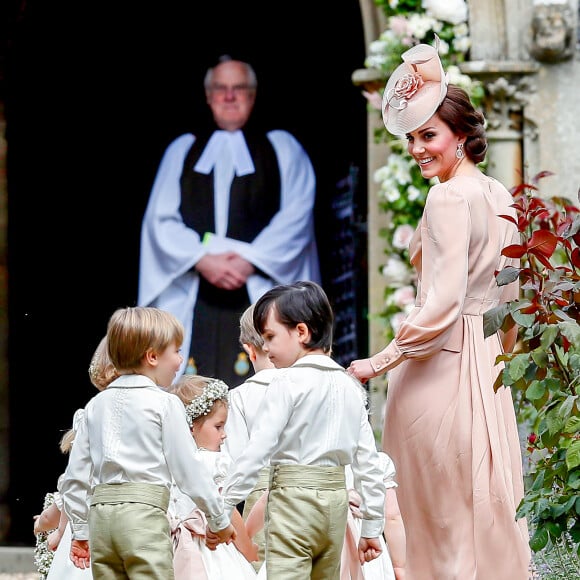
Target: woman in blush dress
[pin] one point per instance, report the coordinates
(453, 438)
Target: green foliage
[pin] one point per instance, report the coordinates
(544, 369)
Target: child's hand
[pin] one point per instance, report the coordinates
(37, 529)
(368, 549)
(53, 539)
(228, 534)
(80, 554)
(211, 539)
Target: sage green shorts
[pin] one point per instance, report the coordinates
(129, 534)
(305, 522)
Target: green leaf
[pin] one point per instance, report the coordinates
(508, 275)
(525, 320)
(554, 385)
(572, 425)
(571, 330)
(517, 366)
(539, 539)
(567, 406)
(573, 455)
(541, 358)
(538, 482)
(563, 316)
(493, 319)
(554, 530)
(535, 391)
(554, 422)
(549, 335)
(562, 508)
(574, 483)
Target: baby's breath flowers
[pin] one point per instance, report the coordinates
(202, 405)
(42, 555)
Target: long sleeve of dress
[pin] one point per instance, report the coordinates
(447, 222)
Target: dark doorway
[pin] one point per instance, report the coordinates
(94, 93)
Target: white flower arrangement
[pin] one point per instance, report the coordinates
(201, 405)
(402, 189)
(43, 556)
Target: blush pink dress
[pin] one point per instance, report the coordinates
(453, 439)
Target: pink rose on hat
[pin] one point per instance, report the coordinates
(407, 86)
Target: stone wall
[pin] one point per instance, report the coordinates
(535, 44)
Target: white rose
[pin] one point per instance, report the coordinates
(381, 174)
(402, 236)
(454, 11)
(443, 47)
(404, 296)
(396, 320)
(413, 193)
(378, 47)
(396, 272)
(462, 44)
(391, 193)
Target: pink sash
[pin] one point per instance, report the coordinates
(187, 535)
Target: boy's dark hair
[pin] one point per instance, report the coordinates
(303, 301)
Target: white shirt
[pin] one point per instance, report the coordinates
(245, 400)
(136, 432)
(314, 413)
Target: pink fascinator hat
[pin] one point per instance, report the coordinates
(415, 89)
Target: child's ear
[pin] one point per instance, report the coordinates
(303, 332)
(150, 357)
(250, 351)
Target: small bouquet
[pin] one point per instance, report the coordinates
(42, 555)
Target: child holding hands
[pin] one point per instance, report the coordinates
(317, 423)
(133, 444)
(206, 406)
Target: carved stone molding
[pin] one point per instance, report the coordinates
(505, 102)
(508, 86)
(553, 32)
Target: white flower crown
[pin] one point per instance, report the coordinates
(214, 391)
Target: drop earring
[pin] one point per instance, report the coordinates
(459, 153)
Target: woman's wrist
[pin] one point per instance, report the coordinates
(388, 358)
(377, 366)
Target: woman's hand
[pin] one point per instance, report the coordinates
(362, 369)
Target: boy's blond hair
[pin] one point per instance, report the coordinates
(248, 332)
(133, 331)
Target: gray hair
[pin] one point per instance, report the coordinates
(252, 78)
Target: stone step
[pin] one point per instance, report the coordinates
(16, 559)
